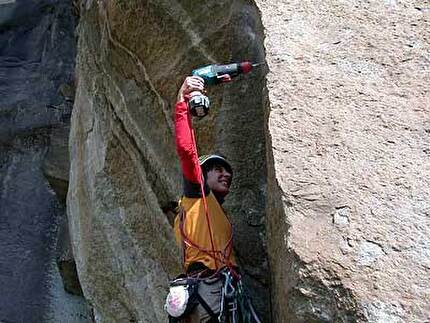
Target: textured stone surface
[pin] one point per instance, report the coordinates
(349, 188)
(37, 49)
(133, 56)
(347, 142)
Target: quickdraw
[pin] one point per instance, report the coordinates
(236, 306)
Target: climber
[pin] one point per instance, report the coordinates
(217, 174)
(202, 228)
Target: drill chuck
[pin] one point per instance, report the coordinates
(199, 105)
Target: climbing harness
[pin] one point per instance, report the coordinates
(183, 297)
(235, 304)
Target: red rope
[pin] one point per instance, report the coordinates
(191, 243)
(193, 138)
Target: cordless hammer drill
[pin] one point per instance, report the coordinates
(215, 74)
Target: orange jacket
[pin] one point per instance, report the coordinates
(198, 248)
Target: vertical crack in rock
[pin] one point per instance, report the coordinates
(139, 63)
(135, 153)
(174, 9)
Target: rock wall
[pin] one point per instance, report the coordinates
(37, 53)
(348, 150)
(125, 177)
(341, 126)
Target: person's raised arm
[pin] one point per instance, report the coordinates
(185, 145)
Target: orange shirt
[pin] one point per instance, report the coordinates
(197, 230)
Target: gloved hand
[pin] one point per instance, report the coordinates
(192, 85)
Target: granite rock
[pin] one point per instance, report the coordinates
(348, 150)
(125, 177)
(330, 153)
(37, 54)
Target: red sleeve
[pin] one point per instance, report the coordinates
(185, 145)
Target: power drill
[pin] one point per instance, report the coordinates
(215, 74)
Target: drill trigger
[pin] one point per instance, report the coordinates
(224, 78)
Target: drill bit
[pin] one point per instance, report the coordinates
(258, 64)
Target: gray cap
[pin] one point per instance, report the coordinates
(216, 159)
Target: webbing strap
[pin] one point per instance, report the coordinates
(207, 308)
(173, 319)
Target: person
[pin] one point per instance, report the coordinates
(201, 227)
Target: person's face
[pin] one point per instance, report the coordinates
(219, 180)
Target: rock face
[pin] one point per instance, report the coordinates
(348, 151)
(330, 152)
(342, 120)
(125, 177)
(37, 53)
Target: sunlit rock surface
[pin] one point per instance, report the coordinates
(349, 188)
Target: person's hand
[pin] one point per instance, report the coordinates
(191, 84)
